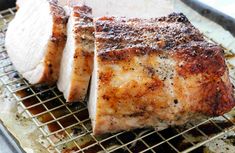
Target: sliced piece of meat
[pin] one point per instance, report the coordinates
(155, 72)
(77, 60)
(35, 40)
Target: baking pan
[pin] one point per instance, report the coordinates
(226, 21)
(7, 142)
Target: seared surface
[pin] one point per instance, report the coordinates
(55, 45)
(155, 72)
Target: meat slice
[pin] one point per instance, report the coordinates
(155, 72)
(35, 40)
(77, 60)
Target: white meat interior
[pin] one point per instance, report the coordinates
(27, 39)
(67, 60)
(93, 92)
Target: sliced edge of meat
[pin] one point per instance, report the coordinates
(35, 40)
(77, 59)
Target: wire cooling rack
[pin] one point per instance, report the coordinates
(67, 127)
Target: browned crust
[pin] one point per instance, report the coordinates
(84, 21)
(55, 45)
(151, 34)
(119, 40)
(199, 57)
(208, 60)
(217, 97)
(84, 13)
(83, 28)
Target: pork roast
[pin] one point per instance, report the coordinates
(155, 72)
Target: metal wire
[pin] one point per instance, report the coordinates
(67, 127)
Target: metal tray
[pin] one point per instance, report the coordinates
(7, 141)
(226, 21)
(67, 127)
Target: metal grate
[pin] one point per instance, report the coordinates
(67, 127)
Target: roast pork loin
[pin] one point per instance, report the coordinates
(155, 72)
(77, 60)
(35, 40)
